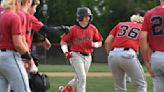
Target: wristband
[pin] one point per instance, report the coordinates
(27, 56)
(64, 48)
(96, 44)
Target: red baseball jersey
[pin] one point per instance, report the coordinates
(33, 24)
(36, 24)
(23, 20)
(10, 24)
(1, 8)
(154, 25)
(126, 35)
(81, 38)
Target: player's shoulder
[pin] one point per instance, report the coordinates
(12, 15)
(73, 27)
(122, 23)
(155, 9)
(92, 26)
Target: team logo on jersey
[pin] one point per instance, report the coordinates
(84, 39)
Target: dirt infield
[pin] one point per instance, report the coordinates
(90, 74)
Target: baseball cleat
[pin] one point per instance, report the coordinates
(67, 88)
(60, 88)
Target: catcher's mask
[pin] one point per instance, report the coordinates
(39, 82)
(82, 12)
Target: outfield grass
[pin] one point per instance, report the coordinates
(94, 84)
(95, 67)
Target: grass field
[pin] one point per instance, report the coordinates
(94, 84)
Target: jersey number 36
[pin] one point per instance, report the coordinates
(129, 32)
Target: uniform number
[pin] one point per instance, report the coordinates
(130, 32)
(157, 25)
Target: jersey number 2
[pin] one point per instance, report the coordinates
(130, 32)
(157, 25)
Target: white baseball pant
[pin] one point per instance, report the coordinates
(157, 65)
(12, 73)
(81, 65)
(125, 61)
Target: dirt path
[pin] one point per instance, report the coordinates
(90, 74)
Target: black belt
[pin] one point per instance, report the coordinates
(84, 54)
(123, 49)
(3, 50)
(157, 50)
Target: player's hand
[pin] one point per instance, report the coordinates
(27, 65)
(65, 29)
(35, 59)
(148, 66)
(68, 55)
(33, 68)
(46, 44)
(151, 72)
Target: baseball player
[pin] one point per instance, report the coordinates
(35, 26)
(83, 37)
(12, 49)
(122, 45)
(153, 45)
(25, 4)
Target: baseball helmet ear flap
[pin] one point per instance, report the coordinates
(82, 12)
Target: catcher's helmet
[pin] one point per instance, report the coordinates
(82, 12)
(39, 82)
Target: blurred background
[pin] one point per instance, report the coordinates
(106, 14)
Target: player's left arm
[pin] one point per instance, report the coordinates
(57, 30)
(43, 29)
(43, 39)
(97, 40)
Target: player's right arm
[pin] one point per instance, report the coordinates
(146, 51)
(65, 38)
(108, 43)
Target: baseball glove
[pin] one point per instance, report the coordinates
(39, 82)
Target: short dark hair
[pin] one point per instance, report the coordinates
(140, 12)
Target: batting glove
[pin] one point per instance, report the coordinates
(68, 55)
(65, 29)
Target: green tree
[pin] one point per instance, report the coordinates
(106, 13)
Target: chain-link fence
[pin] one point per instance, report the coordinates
(55, 55)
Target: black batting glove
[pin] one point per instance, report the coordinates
(65, 29)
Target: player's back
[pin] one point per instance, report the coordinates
(126, 35)
(154, 25)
